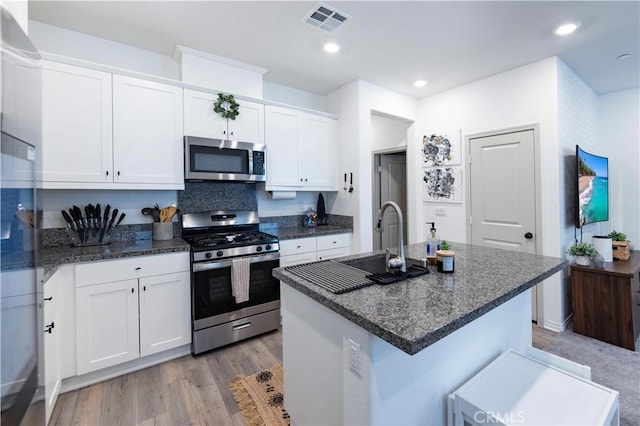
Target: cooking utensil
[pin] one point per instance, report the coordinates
(166, 214)
(147, 211)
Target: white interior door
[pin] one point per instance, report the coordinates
(503, 210)
(393, 187)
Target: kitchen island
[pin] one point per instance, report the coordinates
(390, 354)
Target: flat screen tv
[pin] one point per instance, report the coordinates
(592, 188)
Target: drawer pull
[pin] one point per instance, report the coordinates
(51, 298)
(132, 291)
(298, 246)
(241, 326)
(138, 268)
(49, 327)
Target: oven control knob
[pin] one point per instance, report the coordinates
(268, 247)
(208, 255)
(259, 249)
(219, 253)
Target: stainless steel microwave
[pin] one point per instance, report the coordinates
(217, 159)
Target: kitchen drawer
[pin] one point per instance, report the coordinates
(296, 259)
(327, 242)
(130, 268)
(333, 253)
(298, 245)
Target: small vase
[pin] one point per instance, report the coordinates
(583, 260)
(162, 231)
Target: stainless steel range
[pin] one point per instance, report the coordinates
(226, 249)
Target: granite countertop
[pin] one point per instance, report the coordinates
(291, 232)
(52, 258)
(415, 313)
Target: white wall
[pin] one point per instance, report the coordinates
(289, 95)
(388, 133)
(519, 97)
(355, 103)
(577, 125)
(19, 9)
(60, 41)
(619, 139)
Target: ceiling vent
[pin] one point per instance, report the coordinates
(325, 17)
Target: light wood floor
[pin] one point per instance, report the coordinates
(187, 390)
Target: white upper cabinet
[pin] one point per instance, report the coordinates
(76, 124)
(104, 131)
(301, 150)
(147, 132)
(201, 120)
(282, 133)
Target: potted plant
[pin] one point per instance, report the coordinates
(583, 253)
(620, 245)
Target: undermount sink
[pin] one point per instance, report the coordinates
(376, 264)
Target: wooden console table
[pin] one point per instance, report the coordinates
(606, 302)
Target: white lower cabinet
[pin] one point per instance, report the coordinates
(119, 321)
(303, 250)
(51, 342)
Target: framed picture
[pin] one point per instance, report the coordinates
(442, 184)
(442, 148)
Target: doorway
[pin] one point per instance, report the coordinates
(390, 184)
(502, 193)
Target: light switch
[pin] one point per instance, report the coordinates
(440, 212)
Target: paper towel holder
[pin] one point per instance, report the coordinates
(282, 195)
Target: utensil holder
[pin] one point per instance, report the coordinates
(162, 231)
(89, 237)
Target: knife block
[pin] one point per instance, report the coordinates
(87, 238)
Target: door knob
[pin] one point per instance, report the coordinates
(528, 235)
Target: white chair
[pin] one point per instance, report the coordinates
(534, 388)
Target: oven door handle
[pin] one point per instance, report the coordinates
(217, 264)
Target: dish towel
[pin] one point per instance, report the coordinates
(240, 273)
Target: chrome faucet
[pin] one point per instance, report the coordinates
(398, 262)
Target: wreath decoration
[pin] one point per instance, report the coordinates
(226, 106)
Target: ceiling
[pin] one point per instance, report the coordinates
(388, 43)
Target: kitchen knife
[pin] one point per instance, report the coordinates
(105, 222)
(88, 216)
(120, 220)
(113, 218)
(69, 221)
(75, 214)
(98, 216)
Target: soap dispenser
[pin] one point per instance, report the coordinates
(433, 243)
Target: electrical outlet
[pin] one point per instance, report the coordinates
(440, 212)
(354, 357)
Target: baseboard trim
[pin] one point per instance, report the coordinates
(77, 382)
(557, 326)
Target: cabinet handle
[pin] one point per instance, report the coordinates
(118, 172)
(298, 246)
(224, 132)
(300, 179)
(144, 288)
(305, 179)
(231, 133)
(132, 291)
(48, 298)
(107, 172)
(49, 327)
(138, 268)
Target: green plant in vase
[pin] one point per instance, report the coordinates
(617, 236)
(583, 253)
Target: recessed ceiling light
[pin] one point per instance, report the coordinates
(624, 56)
(420, 83)
(331, 48)
(566, 29)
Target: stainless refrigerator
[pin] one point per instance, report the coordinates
(21, 128)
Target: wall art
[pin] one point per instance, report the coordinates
(442, 184)
(442, 148)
